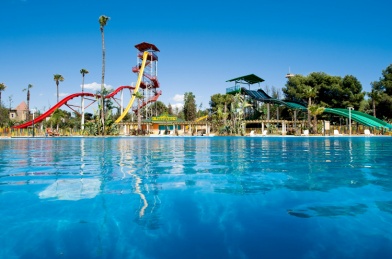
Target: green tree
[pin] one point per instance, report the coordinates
(4, 119)
(324, 90)
(375, 97)
(237, 112)
(159, 108)
(294, 88)
(180, 114)
(310, 93)
(352, 93)
(102, 23)
(221, 102)
(2, 88)
(170, 109)
(58, 78)
(276, 94)
(56, 118)
(217, 117)
(227, 100)
(315, 110)
(220, 105)
(28, 98)
(331, 91)
(190, 110)
(109, 105)
(83, 72)
(102, 129)
(201, 112)
(381, 94)
(139, 97)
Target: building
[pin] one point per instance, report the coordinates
(168, 125)
(20, 113)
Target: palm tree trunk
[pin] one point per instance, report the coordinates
(309, 104)
(82, 124)
(225, 111)
(268, 111)
(314, 128)
(374, 108)
(139, 116)
(28, 104)
(103, 82)
(57, 85)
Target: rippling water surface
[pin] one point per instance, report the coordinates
(199, 197)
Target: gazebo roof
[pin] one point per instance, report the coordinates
(146, 46)
(248, 79)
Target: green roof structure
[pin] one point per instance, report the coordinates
(248, 79)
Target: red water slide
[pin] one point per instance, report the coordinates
(72, 96)
(118, 90)
(51, 110)
(152, 99)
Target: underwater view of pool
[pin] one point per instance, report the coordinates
(196, 197)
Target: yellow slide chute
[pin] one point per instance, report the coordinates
(139, 80)
(202, 118)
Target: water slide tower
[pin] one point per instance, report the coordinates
(149, 84)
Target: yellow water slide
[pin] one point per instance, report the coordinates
(201, 118)
(197, 120)
(139, 80)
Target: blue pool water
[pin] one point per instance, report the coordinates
(221, 197)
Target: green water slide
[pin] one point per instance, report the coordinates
(260, 95)
(357, 116)
(360, 117)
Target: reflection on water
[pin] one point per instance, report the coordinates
(385, 206)
(229, 165)
(328, 211)
(72, 189)
(143, 197)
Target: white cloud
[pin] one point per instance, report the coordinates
(177, 105)
(179, 98)
(95, 86)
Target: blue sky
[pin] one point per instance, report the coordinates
(202, 43)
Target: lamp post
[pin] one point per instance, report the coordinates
(33, 111)
(349, 118)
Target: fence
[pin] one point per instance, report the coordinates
(38, 132)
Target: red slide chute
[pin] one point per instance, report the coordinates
(72, 96)
(152, 99)
(51, 110)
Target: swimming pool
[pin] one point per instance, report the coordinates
(196, 197)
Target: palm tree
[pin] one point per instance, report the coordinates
(375, 96)
(58, 78)
(138, 96)
(103, 19)
(10, 100)
(2, 88)
(28, 98)
(227, 98)
(309, 92)
(83, 72)
(56, 118)
(315, 110)
(237, 110)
